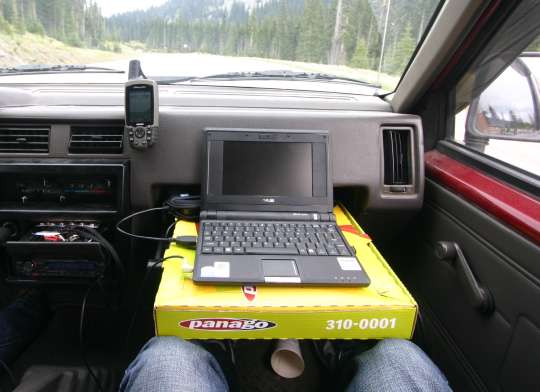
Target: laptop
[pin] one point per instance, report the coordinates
(266, 213)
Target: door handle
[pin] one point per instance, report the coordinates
(480, 296)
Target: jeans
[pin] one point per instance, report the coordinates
(20, 323)
(171, 364)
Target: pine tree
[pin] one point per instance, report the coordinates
(10, 11)
(360, 58)
(404, 48)
(311, 41)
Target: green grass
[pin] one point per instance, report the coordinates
(28, 48)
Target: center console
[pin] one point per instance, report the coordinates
(56, 217)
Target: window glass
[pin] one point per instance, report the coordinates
(498, 101)
(366, 43)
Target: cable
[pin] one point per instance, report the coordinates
(185, 206)
(160, 249)
(140, 293)
(184, 241)
(168, 231)
(96, 236)
(9, 373)
(142, 237)
(81, 337)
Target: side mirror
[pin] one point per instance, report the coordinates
(509, 108)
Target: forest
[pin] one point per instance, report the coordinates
(344, 32)
(75, 22)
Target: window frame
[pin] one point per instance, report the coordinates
(473, 49)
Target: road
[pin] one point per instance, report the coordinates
(199, 64)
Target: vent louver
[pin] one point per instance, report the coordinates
(24, 139)
(96, 140)
(397, 156)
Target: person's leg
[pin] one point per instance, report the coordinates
(396, 365)
(169, 364)
(20, 322)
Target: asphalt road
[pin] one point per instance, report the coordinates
(199, 64)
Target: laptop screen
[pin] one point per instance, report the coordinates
(266, 168)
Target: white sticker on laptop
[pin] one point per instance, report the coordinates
(220, 269)
(349, 264)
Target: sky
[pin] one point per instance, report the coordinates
(111, 7)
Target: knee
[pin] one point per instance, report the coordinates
(163, 364)
(395, 364)
(164, 350)
(405, 357)
(399, 350)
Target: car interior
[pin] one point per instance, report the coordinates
(458, 222)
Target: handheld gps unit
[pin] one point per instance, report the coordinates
(142, 113)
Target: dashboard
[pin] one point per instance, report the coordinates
(372, 148)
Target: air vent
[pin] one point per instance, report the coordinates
(25, 139)
(397, 158)
(96, 140)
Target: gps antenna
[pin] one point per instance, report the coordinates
(135, 70)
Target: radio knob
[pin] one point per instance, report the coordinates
(27, 267)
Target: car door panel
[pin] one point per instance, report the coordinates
(504, 261)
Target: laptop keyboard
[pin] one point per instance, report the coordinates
(265, 238)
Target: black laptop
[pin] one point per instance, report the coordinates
(266, 215)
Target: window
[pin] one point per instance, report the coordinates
(498, 99)
(365, 44)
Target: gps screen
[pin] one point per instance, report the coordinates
(139, 105)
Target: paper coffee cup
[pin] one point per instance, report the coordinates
(287, 360)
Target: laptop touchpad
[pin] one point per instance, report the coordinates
(275, 267)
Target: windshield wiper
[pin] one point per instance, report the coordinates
(269, 75)
(58, 68)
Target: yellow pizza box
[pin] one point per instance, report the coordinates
(384, 309)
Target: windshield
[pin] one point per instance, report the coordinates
(371, 41)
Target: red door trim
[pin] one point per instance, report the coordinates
(515, 208)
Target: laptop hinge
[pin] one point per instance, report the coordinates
(208, 215)
(265, 215)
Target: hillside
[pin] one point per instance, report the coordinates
(28, 48)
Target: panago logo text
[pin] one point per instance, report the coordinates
(226, 324)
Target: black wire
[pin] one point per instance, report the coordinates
(81, 337)
(161, 246)
(168, 231)
(96, 236)
(140, 294)
(142, 237)
(9, 373)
